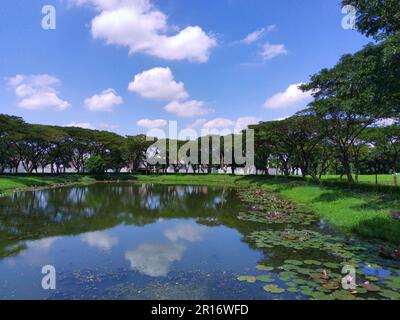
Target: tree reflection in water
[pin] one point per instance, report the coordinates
(71, 211)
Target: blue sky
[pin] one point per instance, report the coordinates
(213, 63)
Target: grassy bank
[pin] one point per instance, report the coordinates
(10, 183)
(361, 212)
(382, 179)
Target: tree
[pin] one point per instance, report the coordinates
(377, 18)
(95, 165)
(351, 97)
(8, 126)
(136, 147)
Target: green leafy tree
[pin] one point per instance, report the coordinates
(377, 18)
(95, 165)
(136, 147)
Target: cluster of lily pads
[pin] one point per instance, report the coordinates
(306, 239)
(267, 207)
(321, 281)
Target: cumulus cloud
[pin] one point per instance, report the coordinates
(155, 260)
(244, 122)
(141, 27)
(158, 84)
(185, 232)
(100, 240)
(219, 123)
(270, 51)
(238, 126)
(38, 92)
(152, 124)
(104, 101)
(187, 109)
(256, 35)
(196, 124)
(42, 244)
(291, 97)
(83, 125)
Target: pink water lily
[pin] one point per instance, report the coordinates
(349, 279)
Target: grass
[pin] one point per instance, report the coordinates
(383, 179)
(11, 183)
(361, 212)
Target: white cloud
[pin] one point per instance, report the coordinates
(219, 123)
(152, 124)
(196, 124)
(185, 232)
(42, 244)
(38, 92)
(103, 101)
(155, 260)
(138, 25)
(84, 125)
(270, 51)
(292, 97)
(281, 118)
(158, 84)
(187, 109)
(107, 126)
(244, 122)
(100, 240)
(256, 35)
(240, 124)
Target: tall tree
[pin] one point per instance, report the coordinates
(351, 96)
(377, 18)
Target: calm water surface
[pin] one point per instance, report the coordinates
(128, 241)
(125, 241)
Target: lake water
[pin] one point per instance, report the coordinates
(131, 241)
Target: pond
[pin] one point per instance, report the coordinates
(143, 241)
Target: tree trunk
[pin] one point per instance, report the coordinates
(346, 167)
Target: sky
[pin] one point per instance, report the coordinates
(128, 66)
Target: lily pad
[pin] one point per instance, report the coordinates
(273, 288)
(264, 268)
(393, 295)
(332, 265)
(372, 278)
(249, 279)
(343, 295)
(313, 262)
(372, 287)
(294, 262)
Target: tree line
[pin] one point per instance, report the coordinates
(351, 127)
(35, 147)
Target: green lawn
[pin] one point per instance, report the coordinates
(10, 183)
(383, 179)
(364, 213)
(359, 212)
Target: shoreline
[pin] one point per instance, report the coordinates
(355, 212)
